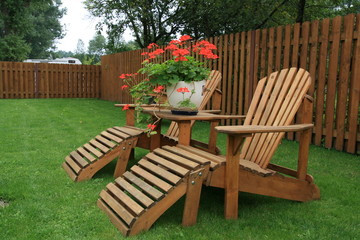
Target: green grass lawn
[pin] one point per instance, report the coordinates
(36, 135)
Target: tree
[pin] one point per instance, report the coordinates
(97, 45)
(28, 28)
(150, 20)
(207, 18)
(80, 47)
(45, 27)
(13, 48)
(97, 48)
(115, 45)
(160, 20)
(80, 51)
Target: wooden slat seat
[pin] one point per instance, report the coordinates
(255, 168)
(135, 200)
(152, 192)
(117, 140)
(85, 161)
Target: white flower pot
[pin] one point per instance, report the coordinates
(174, 97)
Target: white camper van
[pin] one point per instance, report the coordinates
(55, 61)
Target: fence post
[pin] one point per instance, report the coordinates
(252, 70)
(36, 82)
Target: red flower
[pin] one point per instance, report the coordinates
(181, 52)
(181, 58)
(151, 126)
(158, 89)
(172, 47)
(151, 45)
(183, 90)
(205, 51)
(126, 75)
(124, 86)
(122, 76)
(212, 56)
(126, 107)
(184, 38)
(174, 42)
(155, 53)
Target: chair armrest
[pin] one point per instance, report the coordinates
(131, 105)
(233, 130)
(211, 111)
(218, 117)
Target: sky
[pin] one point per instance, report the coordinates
(79, 24)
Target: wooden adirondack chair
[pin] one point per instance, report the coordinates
(82, 163)
(250, 147)
(147, 190)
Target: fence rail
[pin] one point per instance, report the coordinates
(329, 49)
(43, 80)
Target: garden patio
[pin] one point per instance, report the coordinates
(50, 110)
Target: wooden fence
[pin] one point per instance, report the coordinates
(43, 80)
(111, 67)
(329, 49)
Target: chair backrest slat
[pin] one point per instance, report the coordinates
(210, 87)
(276, 101)
(272, 109)
(291, 112)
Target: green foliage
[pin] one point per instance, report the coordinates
(45, 27)
(97, 45)
(171, 71)
(13, 48)
(150, 21)
(186, 104)
(28, 28)
(208, 18)
(158, 21)
(141, 92)
(115, 45)
(86, 58)
(61, 54)
(89, 60)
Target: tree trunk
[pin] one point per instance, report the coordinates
(300, 13)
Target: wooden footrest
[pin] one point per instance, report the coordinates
(99, 151)
(135, 200)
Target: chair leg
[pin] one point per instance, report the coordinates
(192, 199)
(234, 144)
(124, 156)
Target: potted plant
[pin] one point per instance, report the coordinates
(182, 76)
(182, 71)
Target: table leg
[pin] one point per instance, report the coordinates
(213, 136)
(155, 140)
(184, 132)
(130, 116)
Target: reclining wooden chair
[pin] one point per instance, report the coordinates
(138, 198)
(82, 163)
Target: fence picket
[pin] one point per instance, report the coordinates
(354, 99)
(321, 80)
(343, 85)
(331, 81)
